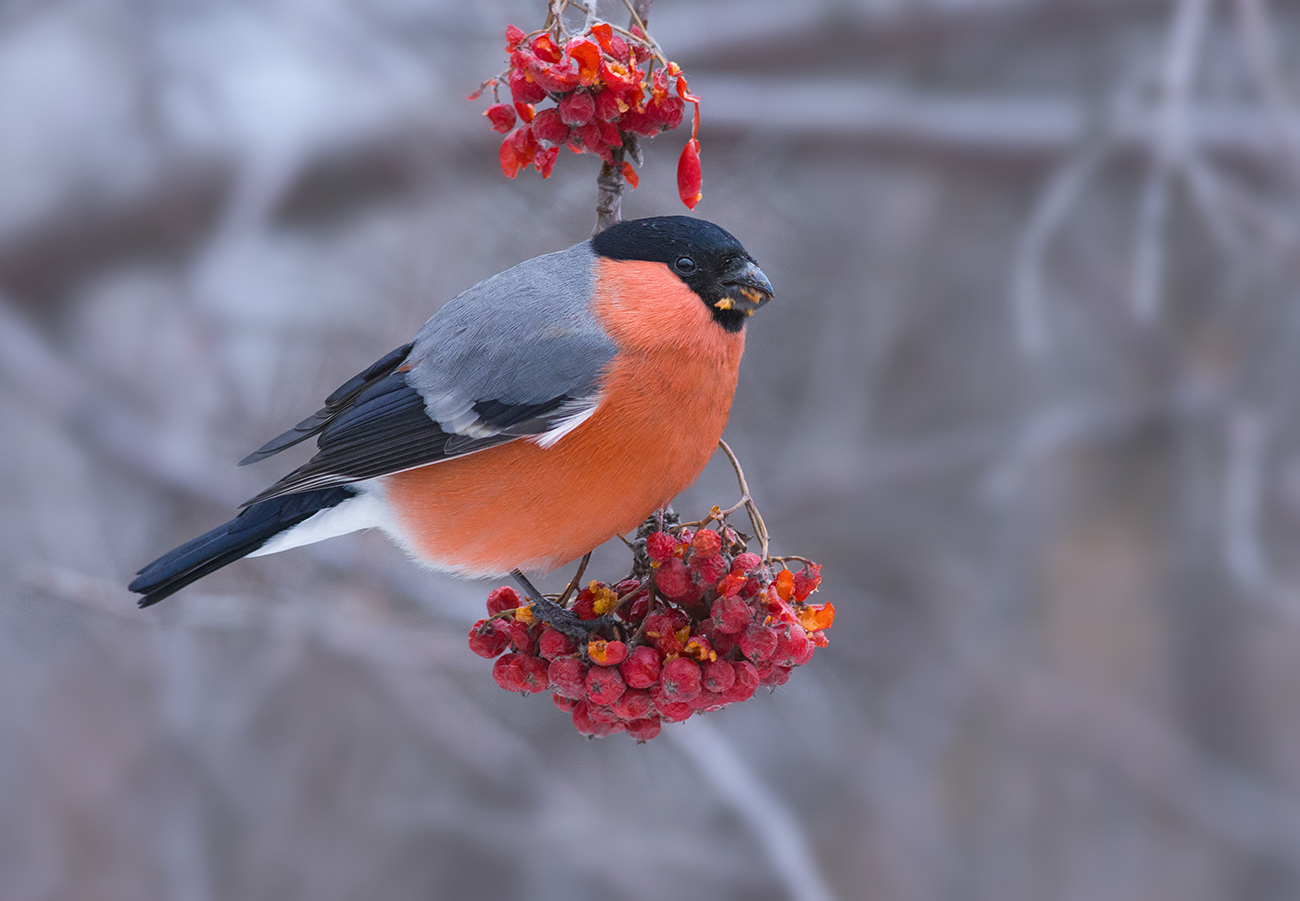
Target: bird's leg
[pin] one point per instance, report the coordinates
(557, 617)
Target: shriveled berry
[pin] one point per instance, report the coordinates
(731, 614)
(718, 676)
(633, 704)
(698, 648)
(644, 730)
(784, 584)
(488, 638)
(732, 585)
(604, 684)
(635, 609)
(501, 116)
(500, 599)
(806, 581)
(568, 675)
(758, 642)
(816, 617)
(641, 668)
(607, 653)
(660, 546)
(746, 563)
(706, 543)
(554, 643)
(679, 680)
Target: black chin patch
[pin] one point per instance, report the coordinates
(731, 320)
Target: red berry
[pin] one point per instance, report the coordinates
(607, 653)
(806, 581)
(525, 90)
(746, 563)
(565, 704)
(674, 712)
(488, 637)
(577, 108)
(501, 116)
(732, 585)
(772, 675)
(746, 682)
(679, 680)
(758, 642)
(522, 636)
(706, 700)
(503, 598)
(718, 676)
(731, 614)
(521, 672)
(641, 668)
(604, 685)
(514, 34)
(583, 722)
(709, 569)
(555, 643)
(633, 704)
(689, 174)
(549, 128)
(607, 106)
(644, 730)
(674, 580)
(601, 713)
(706, 543)
(558, 78)
(793, 646)
(635, 609)
(569, 677)
(546, 49)
(660, 547)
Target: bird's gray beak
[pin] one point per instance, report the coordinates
(745, 288)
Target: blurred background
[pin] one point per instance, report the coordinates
(1030, 390)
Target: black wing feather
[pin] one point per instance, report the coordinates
(385, 429)
(336, 403)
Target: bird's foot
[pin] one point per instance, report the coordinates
(555, 616)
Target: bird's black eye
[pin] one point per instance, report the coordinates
(684, 265)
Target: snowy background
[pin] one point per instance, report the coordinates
(1030, 390)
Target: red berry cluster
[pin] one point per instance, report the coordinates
(605, 86)
(702, 626)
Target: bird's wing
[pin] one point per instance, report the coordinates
(518, 355)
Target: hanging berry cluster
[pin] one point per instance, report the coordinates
(699, 624)
(608, 85)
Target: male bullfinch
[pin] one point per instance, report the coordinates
(533, 417)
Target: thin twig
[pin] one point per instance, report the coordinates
(755, 518)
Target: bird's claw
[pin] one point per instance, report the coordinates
(557, 617)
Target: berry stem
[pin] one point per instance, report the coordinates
(573, 583)
(760, 528)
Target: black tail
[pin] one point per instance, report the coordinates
(225, 544)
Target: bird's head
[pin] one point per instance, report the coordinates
(707, 258)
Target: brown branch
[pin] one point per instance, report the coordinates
(610, 182)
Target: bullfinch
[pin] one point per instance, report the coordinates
(533, 417)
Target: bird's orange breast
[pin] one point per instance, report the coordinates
(665, 399)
